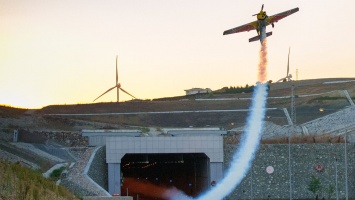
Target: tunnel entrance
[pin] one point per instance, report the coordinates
(150, 176)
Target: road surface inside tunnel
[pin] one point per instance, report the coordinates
(147, 176)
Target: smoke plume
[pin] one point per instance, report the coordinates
(149, 189)
(262, 62)
(249, 142)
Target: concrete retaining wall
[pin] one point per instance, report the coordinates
(63, 137)
(109, 198)
(304, 158)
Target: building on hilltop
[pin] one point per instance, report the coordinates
(198, 91)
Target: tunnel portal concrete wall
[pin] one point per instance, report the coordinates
(117, 147)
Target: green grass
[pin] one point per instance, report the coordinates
(18, 182)
(328, 98)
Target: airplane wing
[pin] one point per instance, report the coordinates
(277, 17)
(245, 27)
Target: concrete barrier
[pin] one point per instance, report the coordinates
(109, 198)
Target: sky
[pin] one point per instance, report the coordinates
(63, 52)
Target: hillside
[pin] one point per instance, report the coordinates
(322, 108)
(18, 182)
(311, 96)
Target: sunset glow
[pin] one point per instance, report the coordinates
(63, 52)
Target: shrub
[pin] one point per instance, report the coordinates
(57, 172)
(145, 130)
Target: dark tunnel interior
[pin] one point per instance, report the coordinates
(148, 176)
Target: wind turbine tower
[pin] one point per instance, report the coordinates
(118, 86)
(288, 75)
(118, 90)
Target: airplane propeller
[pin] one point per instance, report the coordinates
(262, 8)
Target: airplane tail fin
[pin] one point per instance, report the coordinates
(253, 39)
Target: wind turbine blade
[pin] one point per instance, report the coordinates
(127, 93)
(106, 92)
(288, 61)
(116, 70)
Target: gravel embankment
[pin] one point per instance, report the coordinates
(76, 180)
(98, 169)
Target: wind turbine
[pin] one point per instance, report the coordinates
(288, 76)
(118, 86)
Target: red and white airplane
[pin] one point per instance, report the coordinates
(260, 24)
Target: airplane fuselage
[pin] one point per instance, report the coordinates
(262, 29)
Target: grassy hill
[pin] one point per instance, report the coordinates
(18, 182)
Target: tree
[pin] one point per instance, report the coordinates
(314, 185)
(330, 191)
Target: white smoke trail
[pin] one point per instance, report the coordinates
(250, 139)
(249, 142)
(248, 146)
(246, 152)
